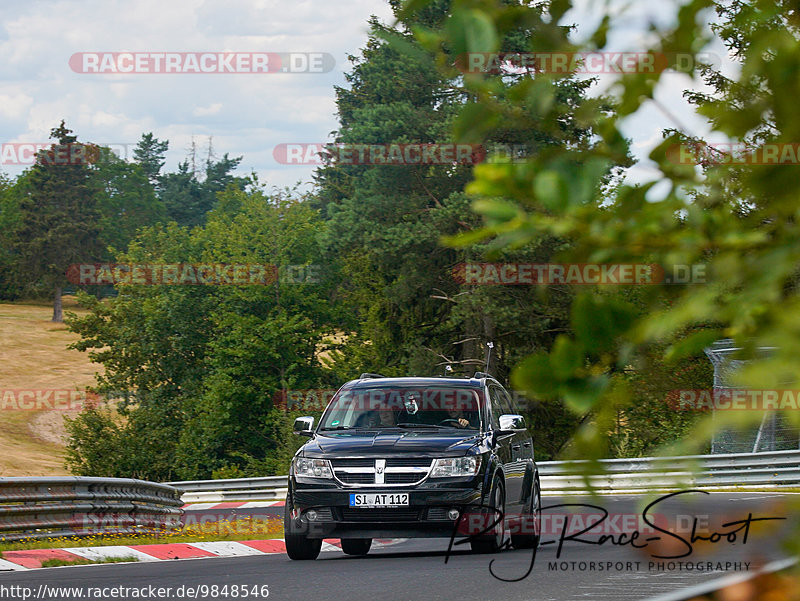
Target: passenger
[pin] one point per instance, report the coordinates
(379, 418)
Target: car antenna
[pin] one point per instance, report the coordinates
(489, 347)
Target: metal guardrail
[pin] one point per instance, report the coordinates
(239, 489)
(79, 506)
(772, 469)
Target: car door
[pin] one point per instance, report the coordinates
(521, 448)
(508, 449)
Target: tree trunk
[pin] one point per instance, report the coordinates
(58, 316)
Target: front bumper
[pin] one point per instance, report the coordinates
(424, 517)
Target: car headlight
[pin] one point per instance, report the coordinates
(455, 466)
(312, 468)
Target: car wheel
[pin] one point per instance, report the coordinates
(530, 526)
(492, 541)
(298, 545)
(356, 546)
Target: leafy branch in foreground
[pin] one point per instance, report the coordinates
(741, 224)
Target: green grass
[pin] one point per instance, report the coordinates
(56, 563)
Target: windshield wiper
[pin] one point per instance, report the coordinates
(337, 428)
(411, 425)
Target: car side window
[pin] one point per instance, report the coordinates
(508, 404)
(497, 406)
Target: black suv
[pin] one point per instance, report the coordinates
(413, 457)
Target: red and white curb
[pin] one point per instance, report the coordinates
(33, 558)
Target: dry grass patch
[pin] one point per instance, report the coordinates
(34, 356)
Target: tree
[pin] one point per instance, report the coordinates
(10, 287)
(126, 200)
(201, 364)
(187, 199)
(58, 216)
(408, 312)
(739, 223)
(149, 154)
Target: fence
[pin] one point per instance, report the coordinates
(78, 506)
(775, 433)
(762, 470)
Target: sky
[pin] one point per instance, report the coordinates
(43, 78)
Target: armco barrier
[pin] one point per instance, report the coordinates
(76, 506)
(237, 489)
(773, 469)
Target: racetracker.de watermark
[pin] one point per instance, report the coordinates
(770, 153)
(297, 153)
(592, 63)
(544, 274)
(317, 399)
(47, 399)
(201, 63)
(734, 399)
(47, 153)
(191, 274)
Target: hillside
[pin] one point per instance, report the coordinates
(34, 357)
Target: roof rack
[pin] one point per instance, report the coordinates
(366, 376)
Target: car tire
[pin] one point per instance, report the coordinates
(356, 546)
(493, 542)
(532, 520)
(298, 545)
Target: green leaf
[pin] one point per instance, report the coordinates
(582, 395)
(471, 30)
(599, 320)
(534, 376)
(692, 345)
(496, 209)
(566, 357)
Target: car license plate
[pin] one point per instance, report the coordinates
(378, 499)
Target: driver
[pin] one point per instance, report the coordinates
(457, 414)
(455, 410)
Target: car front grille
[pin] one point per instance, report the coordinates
(356, 478)
(408, 462)
(380, 515)
(398, 471)
(402, 478)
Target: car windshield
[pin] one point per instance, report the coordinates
(380, 407)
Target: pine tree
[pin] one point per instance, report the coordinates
(59, 223)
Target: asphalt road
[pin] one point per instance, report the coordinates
(416, 569)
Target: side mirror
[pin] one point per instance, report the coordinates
(512, 422)
(304, 426)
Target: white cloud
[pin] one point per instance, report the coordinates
(244, 114)
(205, 111)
